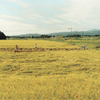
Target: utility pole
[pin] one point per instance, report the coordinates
(71, 34)
(82, 34)
(98, 34)
(76, 32)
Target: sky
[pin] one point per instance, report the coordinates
(48, 16)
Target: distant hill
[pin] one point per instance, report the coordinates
(26, 35)
(89, 32)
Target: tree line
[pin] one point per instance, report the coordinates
(21, 37)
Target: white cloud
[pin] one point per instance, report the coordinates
(55, 20)
(49, 17)
(81, 11)
(11, 17)
(36, 15)
(13, 27)
(51, 21)
(24, 5)
(46, 21)
(30, 13)
(32, 17)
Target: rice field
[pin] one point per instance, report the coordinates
(48, 75)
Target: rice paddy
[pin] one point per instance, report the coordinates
(48, 74)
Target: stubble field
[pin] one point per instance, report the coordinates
(57, 74)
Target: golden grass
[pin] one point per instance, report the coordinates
(47, 75)
(71, 86)
(31, 43)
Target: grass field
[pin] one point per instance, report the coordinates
(89, 42)
(49, 75)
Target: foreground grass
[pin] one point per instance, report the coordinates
(71, 86)
(49, 75)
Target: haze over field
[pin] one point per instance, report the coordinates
(47, 16)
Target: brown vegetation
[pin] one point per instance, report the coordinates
(37, 49)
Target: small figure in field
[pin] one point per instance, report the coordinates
(83, 47)
(16, 48)
(35, 46)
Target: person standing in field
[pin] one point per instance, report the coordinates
(83, 47)
(16, 48)
(35, 46)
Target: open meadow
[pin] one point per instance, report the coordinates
(60, 71)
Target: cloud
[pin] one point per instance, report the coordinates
(46, 21)
(36, 15)
(48, 16)
(51, 21)
(9, 17)
(32, 17)
(24, 5)
(81, 12)
(55, 20)
(13, 27)
(29, 13)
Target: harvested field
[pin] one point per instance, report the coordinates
(38, 49)
(53, 71)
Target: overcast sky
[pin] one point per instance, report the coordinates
(47, 16)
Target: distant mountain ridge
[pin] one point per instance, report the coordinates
(25, 35)
(88, 32)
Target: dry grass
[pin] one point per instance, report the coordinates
(31, 43)
(49, 75)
